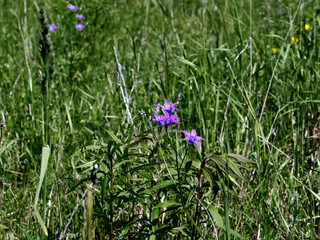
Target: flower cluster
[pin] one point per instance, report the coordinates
(78, 26)
(167, 119)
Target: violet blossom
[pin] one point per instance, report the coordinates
(192, 137)
(170, 119)
(52, 27)
(158, 118)
(79, 27)
(72, 7)
(168, 107)
(80, 16)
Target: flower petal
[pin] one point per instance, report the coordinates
(186, 133)
(196, 142)
(186, 139)
(160, 106)
(166, 103)
(199, 138)
(173, 104)
(193, 132)
(176, 121)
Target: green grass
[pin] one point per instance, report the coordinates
(255, 176)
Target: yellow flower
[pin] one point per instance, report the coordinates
(297, 40)
(292, 39)
(274, 50)
(307, 27)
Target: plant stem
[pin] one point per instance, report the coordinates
(89, 213)
(199, 194)
(185, 156)
(111, 197)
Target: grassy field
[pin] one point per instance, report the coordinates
(79, 158)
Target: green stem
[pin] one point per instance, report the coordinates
(111, 197)
(199, 194)
(185, 156)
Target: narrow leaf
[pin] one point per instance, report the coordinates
(39, 218)
(114, 137)
(44, 165)
(69, 117)
(167, 204)
(3, 227)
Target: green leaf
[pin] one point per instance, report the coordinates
(44, 165)
(188, 166)
(235, 233)
(77, 184)
(216, 216)
(221, 161)
(209, 176)
(147, 176)
(10, 234)
(69, 117)
(39, 218)
(143, 166)
(310, 190)
(154, 216)
(87, 164)
(180, 229)
(86, 94)
(240, 158)
(126, 229)
(89, 130)
(90, 147)
(168, 204)
(219, 221)
(3, 227)
(5, 146)
(25, 233)
(114, 137)
(164, 228)
(185, 61)
(159, 186)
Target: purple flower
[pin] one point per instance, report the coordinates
(192, 137)
(52, 27)
(79, 27)
(80, 16)
(167, 107)
(158, 118)
(170, 119)
(72, 7)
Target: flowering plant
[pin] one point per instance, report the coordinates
(167, 119)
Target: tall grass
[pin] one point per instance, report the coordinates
(112, 174)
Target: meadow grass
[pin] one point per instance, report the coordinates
(79, 158)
